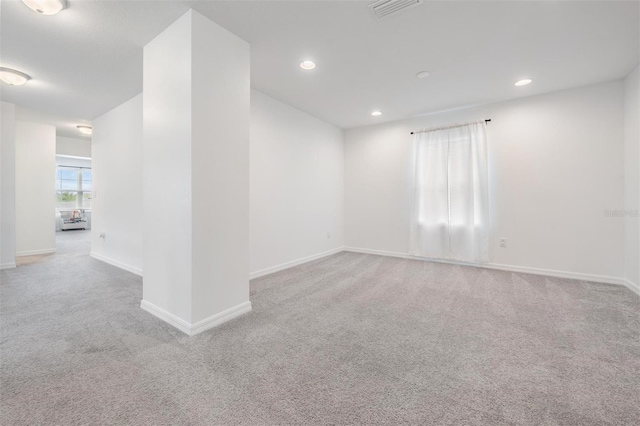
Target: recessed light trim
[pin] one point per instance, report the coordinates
(376, 113)
(13, 77)
(422, 74)
(307, 65)
(85, 130)
(523, 82)
(46, 7)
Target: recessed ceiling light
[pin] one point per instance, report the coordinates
(376, 113)
(85, 130)
(523, 82)
(13, 77)
(46, 7)
(307, 65)
(423, 74)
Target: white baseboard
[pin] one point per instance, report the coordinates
(167, 317)
(116, 263)
(605, 279)
(511, 268)
(291, 264)
(35, 252)
(403, 255)
(200, 326)
(220, 318)
(8, 265)
(631, 286)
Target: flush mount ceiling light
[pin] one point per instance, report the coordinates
(423, 74)
(523, 82)
(13, 77)
(85, 130)
(46, 7)
(376, 113)
(307, 65)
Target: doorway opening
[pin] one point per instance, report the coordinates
(74, 185)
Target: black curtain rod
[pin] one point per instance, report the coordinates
(486, 121)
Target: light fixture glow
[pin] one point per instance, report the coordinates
(423, 74)
(376, 113)
(46, 7)
(523, 82)
(307, 65)
(13, 77)
(85, 130)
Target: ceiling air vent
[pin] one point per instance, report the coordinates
(384, 8)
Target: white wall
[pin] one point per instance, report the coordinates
(221, 85)
(35, 188)
(117, 186)
(296, 186)
(632, 176)
(196, 174)
(556, 164)
(73, 146)
(167, 170)
(7, 185)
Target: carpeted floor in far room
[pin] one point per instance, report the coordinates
(351, 339)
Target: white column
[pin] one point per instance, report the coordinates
(196, 175)
(35, 188)
(7, 185)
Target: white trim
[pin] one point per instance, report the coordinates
(512, 268)
(606, 279)
(116, 263)
(9, 265)
(167, 317)
(404, 256)
(35, 252)
(631, 286)
(220, 318)
(200, 326)
(291, 264)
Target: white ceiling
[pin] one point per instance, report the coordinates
(88, 59)
(65, 124)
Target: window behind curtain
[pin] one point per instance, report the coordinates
(73, 188)
(449, 218)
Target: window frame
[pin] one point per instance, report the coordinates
(79, 190)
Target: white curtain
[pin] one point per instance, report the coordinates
(449, 218)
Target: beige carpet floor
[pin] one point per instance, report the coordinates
(350, 339)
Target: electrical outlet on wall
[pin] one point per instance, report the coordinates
(328, 234)
(503, 242)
